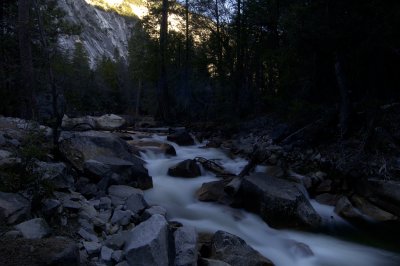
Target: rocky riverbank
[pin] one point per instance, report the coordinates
(357, 175)
(85, 204)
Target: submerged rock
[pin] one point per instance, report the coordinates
(187, 168)
(154, 146)
(279, 202)
(214, 192)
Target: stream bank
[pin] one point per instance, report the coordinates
(104, 205)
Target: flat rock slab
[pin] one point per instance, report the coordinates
(34, 229)
(281, 203)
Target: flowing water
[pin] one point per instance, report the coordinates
(177, 195)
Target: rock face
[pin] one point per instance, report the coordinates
(185, 246)
(102, 32)
(234, 251)
(148, 243)
(103, 154)
(187, 168)
(181, 138)
(34, 229)
(13, 207)
(279, 202)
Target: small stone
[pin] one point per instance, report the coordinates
(92, 247)
(87, 212)
(34, 229)
(122, 263)
(117, 241)
(117, 255)
(13, 234)
(121, 217)
(106, 253)
(105, 203)
(50, 206)
(86, 225)
(136, 203)
(95, 203)
(88, 236)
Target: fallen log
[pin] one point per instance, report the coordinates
(213, 167)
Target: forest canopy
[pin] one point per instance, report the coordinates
(224, 59)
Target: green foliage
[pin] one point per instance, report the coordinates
(20, 176)
(34, 147)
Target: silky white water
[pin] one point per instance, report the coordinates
(177, 195)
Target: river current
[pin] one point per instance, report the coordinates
(178, 196)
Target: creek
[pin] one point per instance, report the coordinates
(178, 196)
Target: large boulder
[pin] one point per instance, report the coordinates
(115, 171)
(78, 123)
(214, 192)
(185, 246)
(105, 122)
(34, 229)
(182, 138)
(147, 243)
(186, 168)
(13, 208)
(235, 251)
(281, 203)
(103, 154)
(109, 122)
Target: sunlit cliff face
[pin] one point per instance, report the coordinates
(137, 8)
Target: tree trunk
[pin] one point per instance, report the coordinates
(25, 54)
(57, 114)
(239, 59)
(344, 108)
(219, 44)
(187, 53)
(139, 91)
(163, 95)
